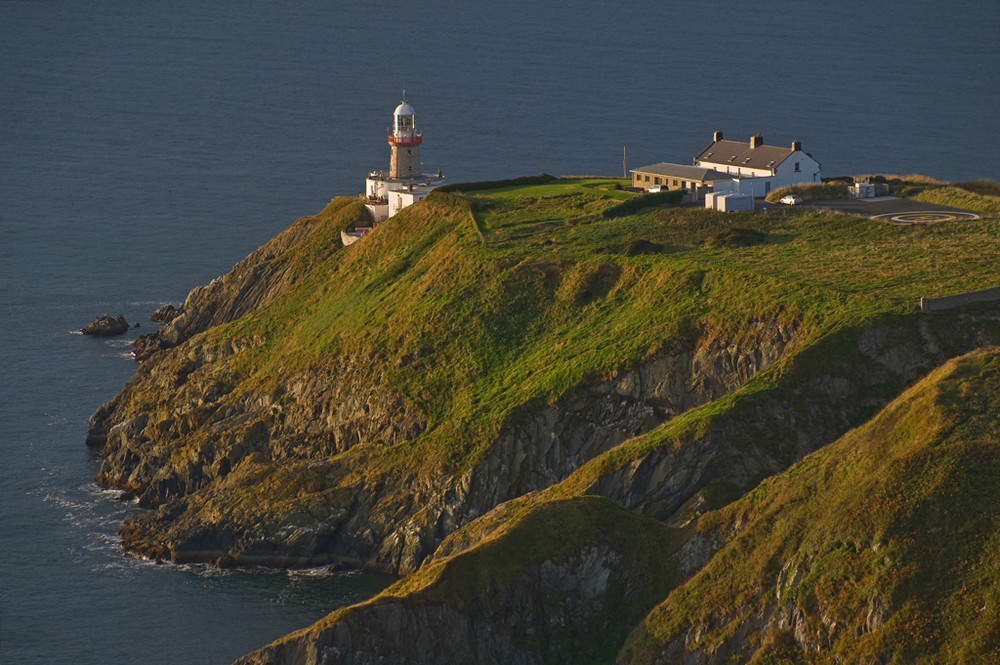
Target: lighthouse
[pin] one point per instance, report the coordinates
(404, 144)
(388, 192)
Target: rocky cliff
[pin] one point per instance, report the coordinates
(893, 565)
(544, 433)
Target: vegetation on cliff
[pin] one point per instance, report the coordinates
(881, 547)
(450, 397)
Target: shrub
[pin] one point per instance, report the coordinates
(636, 203)
(835, 189)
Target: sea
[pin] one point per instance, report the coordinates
(146, 147)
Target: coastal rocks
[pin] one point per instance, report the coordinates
(588, 574)
(177, 425)
(165, 314)
(106, 326)
(184, 431)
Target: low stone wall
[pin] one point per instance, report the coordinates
(950, 302)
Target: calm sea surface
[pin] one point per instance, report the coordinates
(147, 147)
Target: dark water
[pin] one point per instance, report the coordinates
(147, 147)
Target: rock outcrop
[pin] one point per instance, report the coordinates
(106, 326)
(165, 313)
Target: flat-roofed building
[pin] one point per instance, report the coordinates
(664, 176)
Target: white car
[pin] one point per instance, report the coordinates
(791, 200)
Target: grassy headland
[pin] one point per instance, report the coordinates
(483, 309)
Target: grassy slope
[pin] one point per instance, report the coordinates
(900, 514)
(560, 295)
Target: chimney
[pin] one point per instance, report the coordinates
(796, 146)
(716, 137)
(756, 141)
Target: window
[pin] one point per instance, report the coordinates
(797, 169)
(647, 178)
(656, 180)
(675, 182)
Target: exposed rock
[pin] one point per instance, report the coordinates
(561, 603)
(105, 326)
(165, 314)
(321, 412)
(395, 520)
(543, 446)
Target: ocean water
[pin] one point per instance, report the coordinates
(147, 147)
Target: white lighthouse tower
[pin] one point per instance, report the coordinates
(404, 143)
(386, 193)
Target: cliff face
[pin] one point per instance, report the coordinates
(544, 437)
(893, 563)
(561, 603)
(172, 440)
(541, 446)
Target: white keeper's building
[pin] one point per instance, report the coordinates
(751, 168)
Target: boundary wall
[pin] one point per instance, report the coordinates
(957, 300)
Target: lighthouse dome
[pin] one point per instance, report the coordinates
(403, 109)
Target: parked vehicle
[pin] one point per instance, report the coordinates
(657, 188)
(791, 200)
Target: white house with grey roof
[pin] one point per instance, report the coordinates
(761, 167)
(746, 168)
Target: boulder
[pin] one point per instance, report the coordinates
(105, 326)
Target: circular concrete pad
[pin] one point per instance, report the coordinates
(927, 217)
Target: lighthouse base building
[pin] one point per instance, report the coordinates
(386, 196)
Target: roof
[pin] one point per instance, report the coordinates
(695, 173)
(736, 153)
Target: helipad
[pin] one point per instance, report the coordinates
(927, 217)
(897, 211)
